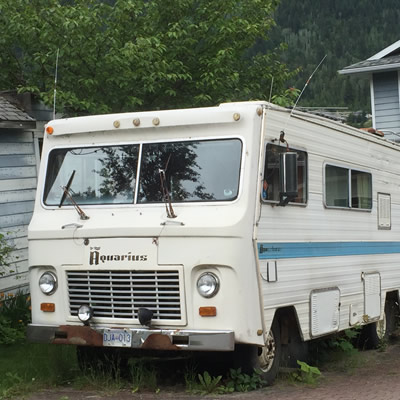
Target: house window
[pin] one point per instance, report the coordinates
(272, 174)
(347, 188)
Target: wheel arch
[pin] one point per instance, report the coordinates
(293, 345)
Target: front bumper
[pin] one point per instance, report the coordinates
(154, 339)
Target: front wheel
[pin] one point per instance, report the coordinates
(265, 359)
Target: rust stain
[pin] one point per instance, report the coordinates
(156, 341)
(79, 335)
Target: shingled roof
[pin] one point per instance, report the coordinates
(12, 116)
(387, 59)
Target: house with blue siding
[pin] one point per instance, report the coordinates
(19, 160)
(383, 71)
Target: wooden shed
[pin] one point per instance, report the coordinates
(19, 161)
(383, 70)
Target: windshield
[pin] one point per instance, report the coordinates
(206, 170)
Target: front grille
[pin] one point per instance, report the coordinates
(119, 294)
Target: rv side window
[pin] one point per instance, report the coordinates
(347, 188)
(271, 178)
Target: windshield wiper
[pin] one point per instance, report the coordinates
(67, 193)
(66, 189)
(164, 191)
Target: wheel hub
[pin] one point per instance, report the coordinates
(267, 356)
(381, 327)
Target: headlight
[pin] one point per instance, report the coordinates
(208, 284)
(85, 313)
(48, 283)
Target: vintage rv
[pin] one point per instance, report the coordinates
(243, 228)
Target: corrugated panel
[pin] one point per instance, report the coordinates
(17, 195)
(13, 283)
(18, 184)
(18, 172)
(17, 161)
(8, 221)
(16, 137)
(16, 208)
(15, 232)
(16, 148)
(386, 99)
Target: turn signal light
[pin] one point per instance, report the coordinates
(48, 307)
(208, 311)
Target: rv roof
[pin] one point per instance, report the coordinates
(225, 113)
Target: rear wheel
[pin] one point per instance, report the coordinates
(375, 334)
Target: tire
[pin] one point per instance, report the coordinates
(375, 334)
(266, 359)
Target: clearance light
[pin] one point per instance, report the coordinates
(48, 307)
(208, 311)
(49, 130)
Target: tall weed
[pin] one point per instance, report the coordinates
(14, 317)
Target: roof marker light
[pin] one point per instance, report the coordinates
(49, 130)
(136, 122)
(116, 124)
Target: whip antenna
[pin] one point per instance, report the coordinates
(308, 81)
(270, 92)
(55, 85)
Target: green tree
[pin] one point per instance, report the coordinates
(346, 31)
(124, 55)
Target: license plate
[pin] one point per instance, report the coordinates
(117, 338)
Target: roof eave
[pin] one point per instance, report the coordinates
(370, 69)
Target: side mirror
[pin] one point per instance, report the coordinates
(288, 177)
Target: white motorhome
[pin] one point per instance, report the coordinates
(242, 228)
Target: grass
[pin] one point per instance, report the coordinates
(28, 367)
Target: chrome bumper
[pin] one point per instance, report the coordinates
(155, 339)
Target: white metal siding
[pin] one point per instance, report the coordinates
(18, 179)
(314, 223)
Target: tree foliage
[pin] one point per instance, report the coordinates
(346, 31)
(120, 55)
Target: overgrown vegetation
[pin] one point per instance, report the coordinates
(154, 54)
(5, 252)
(339, 352)
(236, 381)
(14, 317)
(14, 308)
(306, 373)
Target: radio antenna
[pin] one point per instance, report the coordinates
(270, 91)
(55, 85)
(308, 81)
(282, 134)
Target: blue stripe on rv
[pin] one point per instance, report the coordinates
(324, 249)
